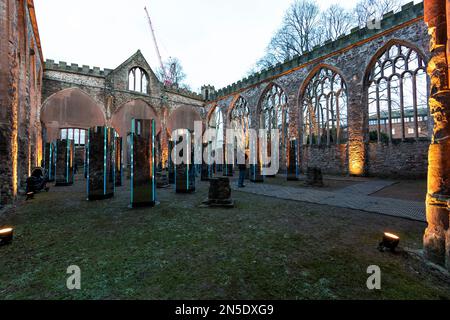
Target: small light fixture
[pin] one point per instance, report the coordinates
(390, 241)
(6, 236)
(30, 195)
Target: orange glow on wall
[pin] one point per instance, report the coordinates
(38, 152)
(14, 156)
(356, 168)
(356, 159)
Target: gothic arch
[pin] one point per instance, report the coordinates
(263, 95)
(70, 108)
(330, 98)
(133, 109)
(239, 118)
(395, 93)
(183, 117)
(382, 51)
(311, 74)
(238, 101)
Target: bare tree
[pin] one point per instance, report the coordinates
(335, 21)
(174, 71)
(367, 10)
(302, 23)
(299, 33)
(304, 27)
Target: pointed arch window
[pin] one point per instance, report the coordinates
(275, 113)
(324, 109)
(138, 80)
(397, 95)
(216, 122)
(240, 120)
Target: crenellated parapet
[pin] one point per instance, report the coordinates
(75, 68)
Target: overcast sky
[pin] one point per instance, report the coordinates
(217, 41)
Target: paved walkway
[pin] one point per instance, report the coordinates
(352, 197)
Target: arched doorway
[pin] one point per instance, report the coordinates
(183, 117)
(121, 121)
(69, 114)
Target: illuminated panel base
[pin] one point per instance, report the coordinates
(49, 161)
(255, 173)
(185, 173)
(171, 165)
(143, 180)
(292, 165)
(100, 163)
(228, 170)
(64, 162)
(119, 161)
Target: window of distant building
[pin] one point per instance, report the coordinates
(79, 136)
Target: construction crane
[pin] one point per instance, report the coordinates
(167, 79)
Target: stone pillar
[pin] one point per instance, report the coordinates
(437, 235)
(356, 144)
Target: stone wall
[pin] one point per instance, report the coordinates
(408, 159)
(331, 159)
(352, 57)
(21, 68)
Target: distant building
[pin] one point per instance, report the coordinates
(412, 129)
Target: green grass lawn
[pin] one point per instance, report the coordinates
(263, 249)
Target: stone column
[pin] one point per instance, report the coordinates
(437, 235)
(356, 121)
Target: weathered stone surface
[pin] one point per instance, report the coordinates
(162, 179)
(314, 177)
(219, 194)
(219, 189)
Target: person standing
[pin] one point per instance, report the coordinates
(242, 171)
